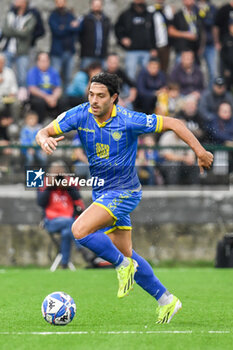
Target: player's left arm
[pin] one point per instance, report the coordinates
(205, 158)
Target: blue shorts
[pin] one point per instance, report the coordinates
(119, 205)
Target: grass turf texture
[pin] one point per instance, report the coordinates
(206, 294)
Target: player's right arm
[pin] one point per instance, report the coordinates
(46, 138)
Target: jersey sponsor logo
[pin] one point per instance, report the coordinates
(86, 129)
(116, 135)
(102, 150)
(149, 121)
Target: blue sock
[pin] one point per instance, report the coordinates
(146, 278)
(102, 246)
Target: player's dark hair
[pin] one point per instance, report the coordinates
(111, 81)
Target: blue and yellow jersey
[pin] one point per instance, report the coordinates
(111, 146)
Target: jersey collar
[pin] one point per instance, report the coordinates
(113, 114)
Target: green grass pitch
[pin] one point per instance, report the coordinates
(104, 322)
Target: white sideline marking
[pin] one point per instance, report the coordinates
(114, 332)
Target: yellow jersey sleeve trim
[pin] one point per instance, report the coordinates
(56, 127)
(108, 210)
(159, 126)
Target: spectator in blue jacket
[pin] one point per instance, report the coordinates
(28, 138)
(64, 28)
(149, 84)
(221, 127)
(77, 89)
(44, 87)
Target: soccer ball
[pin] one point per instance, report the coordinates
(58, 308)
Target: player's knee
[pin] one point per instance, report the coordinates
(79, 229)
(127, 250)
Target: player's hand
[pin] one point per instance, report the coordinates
(50, 144)
(205, 161)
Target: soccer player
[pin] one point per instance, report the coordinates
(109, 135)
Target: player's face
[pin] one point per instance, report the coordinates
(100, 100)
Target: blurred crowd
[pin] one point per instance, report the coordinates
(171, 61)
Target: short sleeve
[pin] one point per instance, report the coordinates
(32, 77)
(68, 120)
(141, 123)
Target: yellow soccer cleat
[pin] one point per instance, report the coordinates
(125, 277)
(166, 312)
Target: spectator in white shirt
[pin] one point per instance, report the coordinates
(9, 105)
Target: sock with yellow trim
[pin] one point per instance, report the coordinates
(103, 247)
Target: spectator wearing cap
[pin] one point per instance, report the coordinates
(227, 55)
(151, 81)
(211, 99)
(188, 75)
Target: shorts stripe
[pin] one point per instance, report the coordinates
(108, 210)
(110, 230)
(124, 227)
(118, 227)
